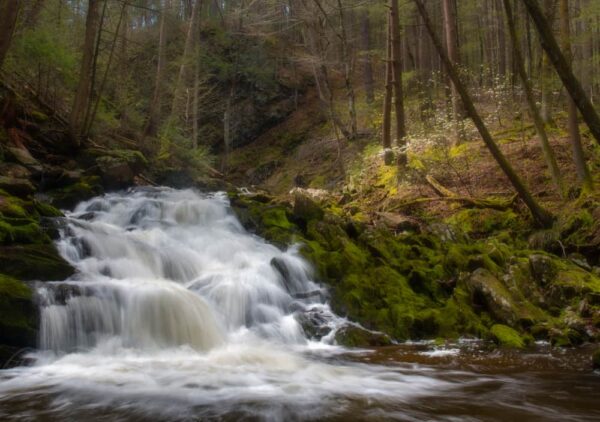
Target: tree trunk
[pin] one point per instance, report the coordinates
(9, 9)
(183, 77)
(540, 215)
(454, 56)
(564, 69)
(365, 32)
(535, 113)
(84, 86)
(397, 81)
(347, 62)
(156, 104)
(387, 101)
(583, 174)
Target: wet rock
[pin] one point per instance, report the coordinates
(281, 267)
(355, 336)
(18, 319)
(34, 262)
(16, 186)
(505, 336)
(87, 187)
(314, 323)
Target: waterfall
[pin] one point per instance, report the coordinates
(161, 268)
(178, 313)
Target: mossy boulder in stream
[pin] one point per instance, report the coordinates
(18, 319)
(34, 262)
(67, 197)
(507, 337)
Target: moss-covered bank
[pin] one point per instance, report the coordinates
(445, 280)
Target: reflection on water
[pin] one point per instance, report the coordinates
(178, 314)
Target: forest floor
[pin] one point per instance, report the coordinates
(302, 152)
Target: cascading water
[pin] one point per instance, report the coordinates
(177, 313)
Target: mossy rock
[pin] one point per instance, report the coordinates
(355, 336)
(506, 337)
(34, 262)
(481, 222)
(21, 230)
(69, 196)
(18, 317)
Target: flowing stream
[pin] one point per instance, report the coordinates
(177, 313)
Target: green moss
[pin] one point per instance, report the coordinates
(479, 223)
(17, 313)
(69, 196)
(507, 337)
(11, 206)
(47, 210)
(34, 262)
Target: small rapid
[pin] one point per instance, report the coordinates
(176, 312)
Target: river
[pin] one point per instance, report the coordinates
(176, 313)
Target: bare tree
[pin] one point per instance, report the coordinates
(9, 10)
(563, 68)
(529, 96)
(86, 75)
(583, 174)
(541, 216)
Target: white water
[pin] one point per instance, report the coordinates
(177, 312)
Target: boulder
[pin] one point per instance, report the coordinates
(305, 208)
(115, 174)
(18, 319)
(356, 336)
(34, 262)
(507, 337)
(16, 186)
(14, 170)
(493, 296)
(22, 156)
(399, 222)
(543, 269)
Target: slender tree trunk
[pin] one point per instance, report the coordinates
(84, 86)
(583, 174)
(563, 68)
(347, 61)
(34, 13)
(90, 120)
(121, 86)
(156, 104)
(541, 216)
(366, 58)
(387, 101)
(183, 77)
(453, 54)
(535, 113)
(397, 81)
(9, 10)
(546, 72)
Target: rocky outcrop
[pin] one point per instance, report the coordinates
(417, 281)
